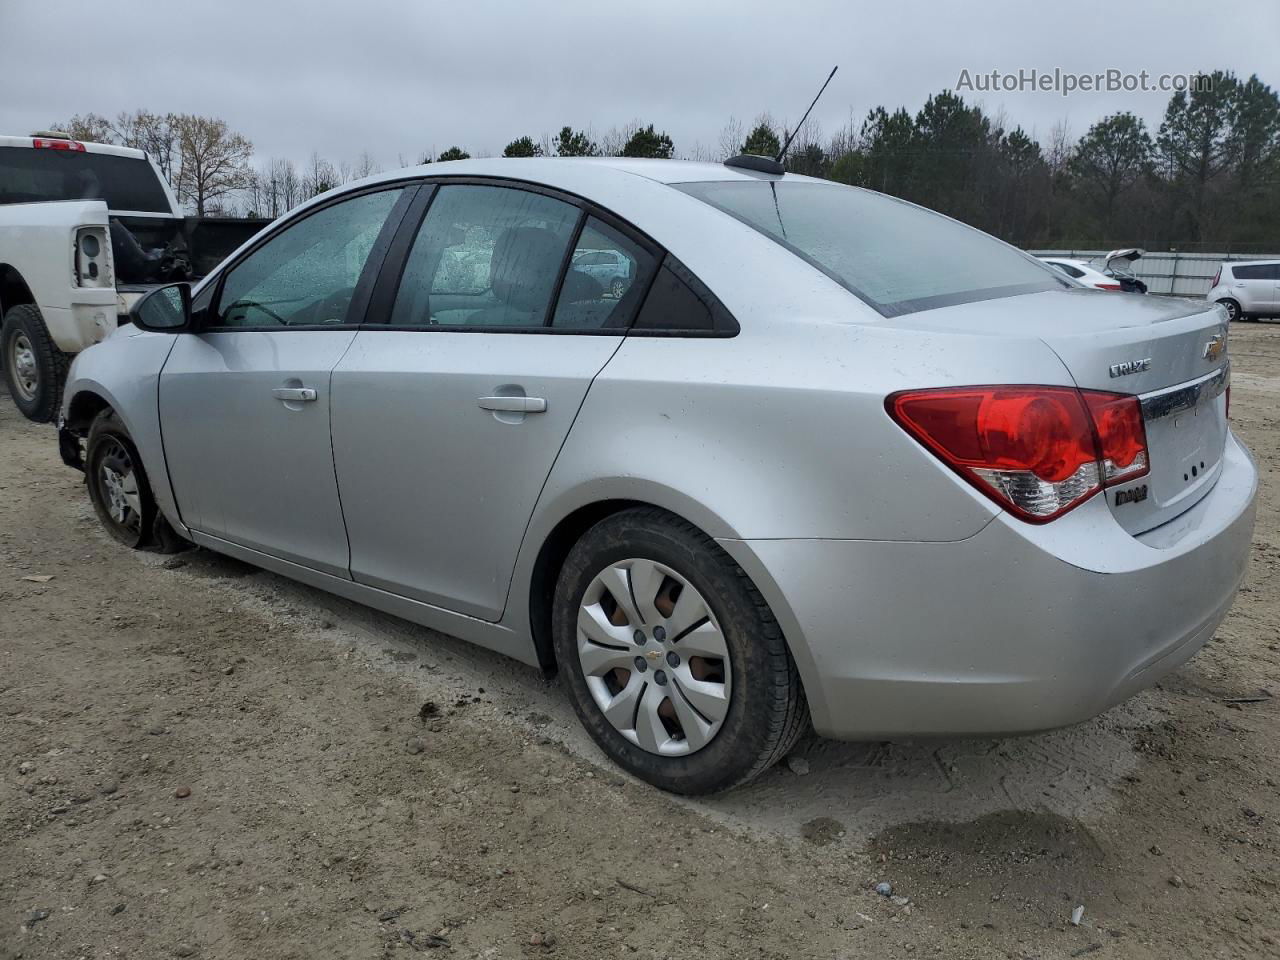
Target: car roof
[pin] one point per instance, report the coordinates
(1250, 263)
(565, 171)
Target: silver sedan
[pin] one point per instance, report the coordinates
(825, 458)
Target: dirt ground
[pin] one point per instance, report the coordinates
(202, 759)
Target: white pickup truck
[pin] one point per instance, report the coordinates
(86, 229)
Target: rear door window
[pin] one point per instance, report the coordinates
(485, 256)
(606, 280)
(1252, 272)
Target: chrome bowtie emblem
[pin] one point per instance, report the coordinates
(1215, 347)
(653, 655)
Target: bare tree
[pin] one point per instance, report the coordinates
(320, 176)
(366, 166)
(1058, 149)
(731, 138)
(611, 143)
(155, 133)
(88, 126)
(214, 160)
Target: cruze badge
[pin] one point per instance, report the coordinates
(1215, 347)
(1130, 366)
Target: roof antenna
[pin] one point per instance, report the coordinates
(786, 146)
(751, 161)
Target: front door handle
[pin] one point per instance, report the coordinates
(514, 404)
(300, 394)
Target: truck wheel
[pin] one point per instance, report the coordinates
(33, 366)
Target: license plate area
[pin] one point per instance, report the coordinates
(1186, 429)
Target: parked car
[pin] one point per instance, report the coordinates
(1112, 271)
(86, 229)
(1247, 290)
(1082, 271)
(609, 267)
(787, 476)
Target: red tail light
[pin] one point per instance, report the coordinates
(1109, 286)
(44, 143)
(1036, 451)
(1217, 275)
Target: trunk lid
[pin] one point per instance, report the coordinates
(1171, 353)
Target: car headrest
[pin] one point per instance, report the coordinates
(524, 266)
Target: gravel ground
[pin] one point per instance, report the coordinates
(202, 759)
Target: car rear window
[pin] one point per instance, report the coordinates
(29, 175)
(896, 257)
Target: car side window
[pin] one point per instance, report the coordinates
(307, 273)
(1251, 272)
(485, 256)
(607, 279)
(679, 303)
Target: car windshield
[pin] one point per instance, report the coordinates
(896, 257)
(29, 175)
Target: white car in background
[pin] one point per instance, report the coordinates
(1082, 271)
(1247, 290)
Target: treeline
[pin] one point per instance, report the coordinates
(1209, 175)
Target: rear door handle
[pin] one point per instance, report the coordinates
(514, 404)
(302, 394)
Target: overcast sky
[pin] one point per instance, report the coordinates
(401, 78)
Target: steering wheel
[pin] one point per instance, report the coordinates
(333, 308)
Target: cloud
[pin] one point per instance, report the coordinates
(402, 77)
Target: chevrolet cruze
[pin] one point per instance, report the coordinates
(824, 458)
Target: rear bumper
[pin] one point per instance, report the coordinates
(1016, 629)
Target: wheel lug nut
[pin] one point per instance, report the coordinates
(660, 678)
(641, 666)
(659, 633)
(673, 659)
(640, 637)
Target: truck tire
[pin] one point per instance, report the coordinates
(34, 368)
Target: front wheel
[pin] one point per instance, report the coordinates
(673, 660)
(119, 489)
(33, 365)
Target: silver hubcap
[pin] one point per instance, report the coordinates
(120, 487)
(1232, 311)
(23, 373)
(654, 657)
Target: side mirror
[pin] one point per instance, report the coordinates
(165, 309)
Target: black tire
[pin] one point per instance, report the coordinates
(36, 398)
(1233, 310)
(767, 708)
(109, 448)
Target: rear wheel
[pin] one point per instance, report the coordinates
(1233, 310)
(673, 660)
(33, 365)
